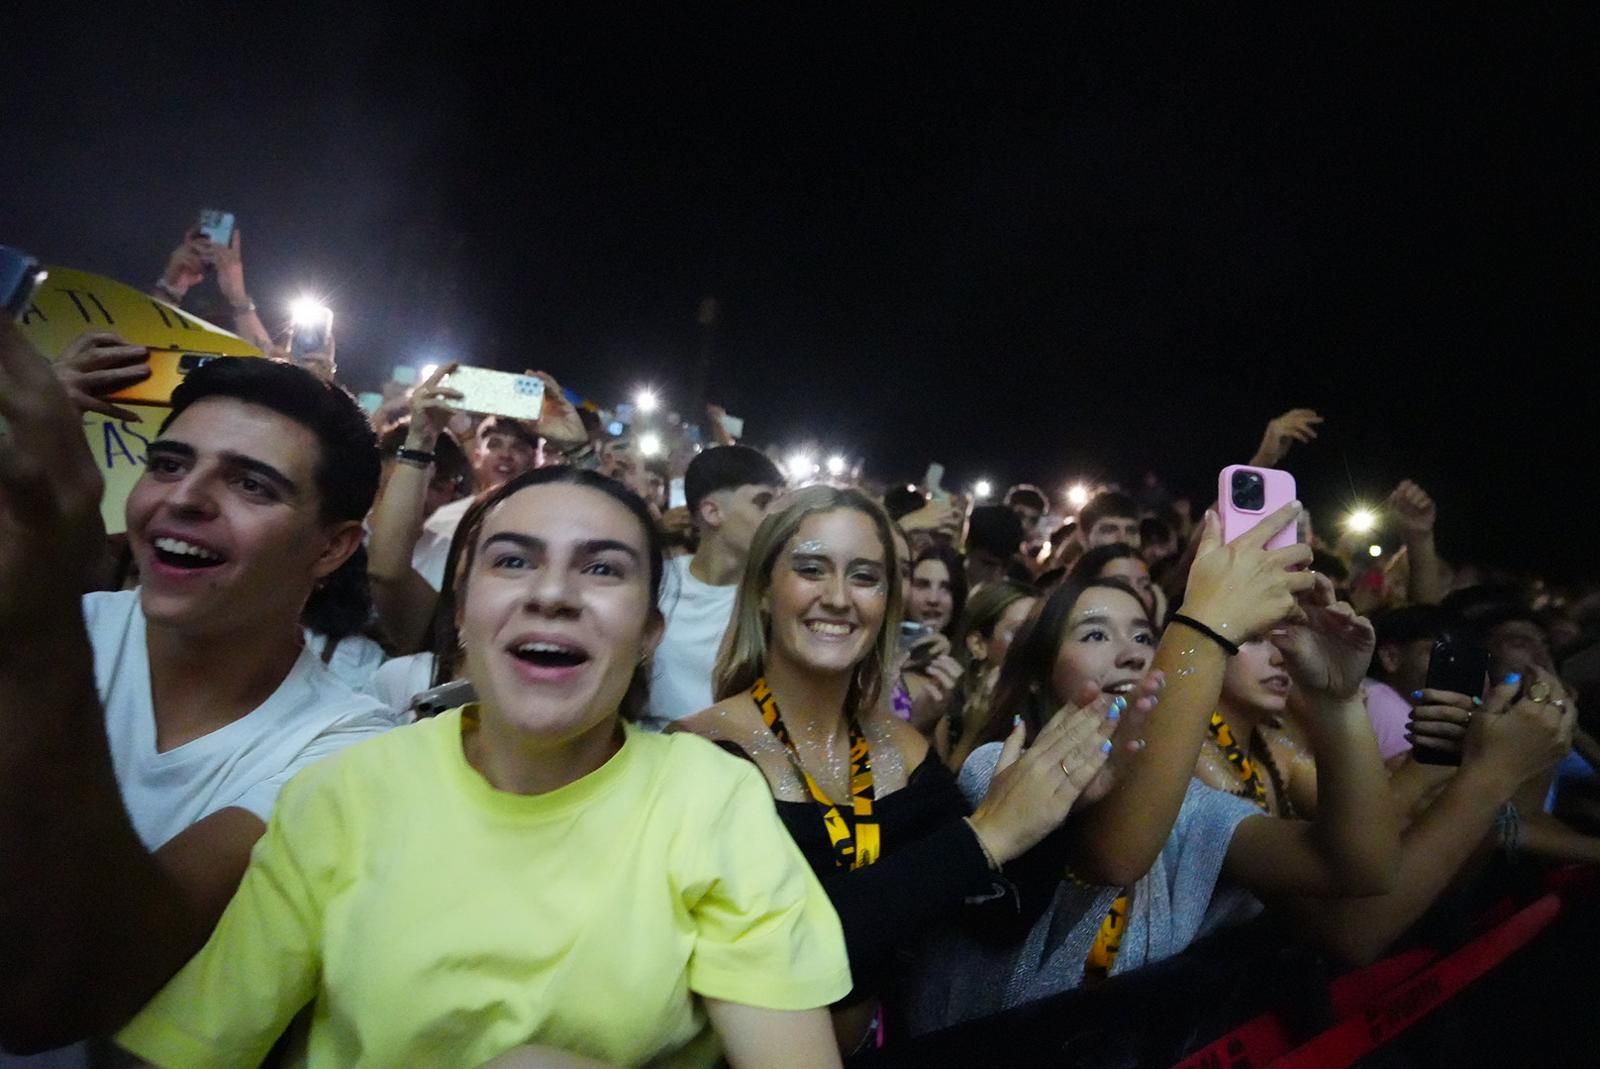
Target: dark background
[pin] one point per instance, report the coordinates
(1031, 247)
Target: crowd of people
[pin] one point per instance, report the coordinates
(405, 736)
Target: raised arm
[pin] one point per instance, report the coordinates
(1236, 590)
(229, 262)
(1350, 848)
(1416, 513)
(1507, 744)
(1295, 425)
(91, 923)
(404, 600)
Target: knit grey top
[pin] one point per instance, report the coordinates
(958, 977)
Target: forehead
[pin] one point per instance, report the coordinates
(839, 533)
(562, 513)
(932, 568)
(1126, 566)
(225, 424)
(1107, 601)
(1115, 521)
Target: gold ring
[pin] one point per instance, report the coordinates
(1539, 691)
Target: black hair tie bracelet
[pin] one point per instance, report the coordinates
(1192, 624)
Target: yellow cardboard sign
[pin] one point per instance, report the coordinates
(71, 302)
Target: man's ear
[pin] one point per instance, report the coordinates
(342, 540)
(710, 512)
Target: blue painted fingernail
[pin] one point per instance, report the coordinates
(1477, 701)
(1105, 747)
(1118, 704)
(1417, 694)
(1513, 679)
(1016, 721)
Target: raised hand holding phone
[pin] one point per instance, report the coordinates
(1242, 588)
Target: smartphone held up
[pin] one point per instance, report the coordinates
(20, 275)
(1246, 496)
(313, 323)
(1459, 666)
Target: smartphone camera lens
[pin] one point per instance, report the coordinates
(1249, 491)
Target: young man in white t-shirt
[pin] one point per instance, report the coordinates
(728, 489)
(144, 735)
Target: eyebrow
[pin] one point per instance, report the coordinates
(587, 547)
(285, 485)
(798, 556)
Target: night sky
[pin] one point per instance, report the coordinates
(1033, 249)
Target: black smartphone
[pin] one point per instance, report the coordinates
(20, 275)
(1456, 665)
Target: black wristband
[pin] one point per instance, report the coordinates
(1195, 625)
(414, 456)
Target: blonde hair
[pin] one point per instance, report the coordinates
(743, 657)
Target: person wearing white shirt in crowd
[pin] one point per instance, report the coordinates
(145, 734)
(728, 489)
(406, 546)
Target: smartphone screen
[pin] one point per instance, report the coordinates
(20, 275)
(218, 226)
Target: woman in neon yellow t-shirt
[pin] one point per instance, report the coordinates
(527, 880)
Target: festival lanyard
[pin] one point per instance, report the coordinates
(1243, 767)
(1108, 940)
(854, 839)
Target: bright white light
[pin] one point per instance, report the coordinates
(310, 312)
(646, 402)
(982, 489)
(836, 466)
(1374, 550)
(1077, 495)
(801, 466)
(1361, 521)
(650, 444)
(428, 370)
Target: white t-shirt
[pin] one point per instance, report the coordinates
(433, 543)
(400, 679)
(354, 659)
(697, 617)
(311, 715)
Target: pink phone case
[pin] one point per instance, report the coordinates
(1279, 491)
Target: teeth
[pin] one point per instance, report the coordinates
(823, 628)
(541, 647)
(175, 545)
(1120, 688)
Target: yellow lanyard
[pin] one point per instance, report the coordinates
(1243, 767)
(855, 840)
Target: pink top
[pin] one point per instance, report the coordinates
(1390, 714)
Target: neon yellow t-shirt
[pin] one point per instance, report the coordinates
(437, 921)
